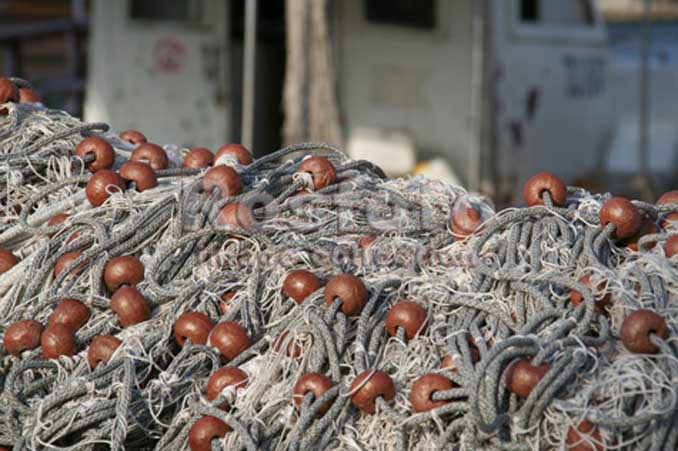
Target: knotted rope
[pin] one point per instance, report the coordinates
(323, 306)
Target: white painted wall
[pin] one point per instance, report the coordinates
(417, 81)
(623, 155)
(562, 71)
(185, 101)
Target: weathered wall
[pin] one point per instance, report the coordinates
(550, 82)
(416, 80)
(170, 81)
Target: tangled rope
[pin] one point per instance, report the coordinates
(161, 298)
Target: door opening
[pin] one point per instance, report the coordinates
(270, 73)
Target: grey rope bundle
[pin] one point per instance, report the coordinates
(492, 301)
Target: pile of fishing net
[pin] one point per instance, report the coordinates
(161, 298)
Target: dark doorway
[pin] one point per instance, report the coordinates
(270, 72)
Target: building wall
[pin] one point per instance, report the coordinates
(170, 80)
(625, 55)
(626, 63)
(414, 80)
(550, 84)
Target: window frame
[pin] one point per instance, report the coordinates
(205, 19)
(435, 10)
(573, 34)
(441, 11)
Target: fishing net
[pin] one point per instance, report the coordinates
(305, 301)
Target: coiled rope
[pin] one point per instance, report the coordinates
(305, 301)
